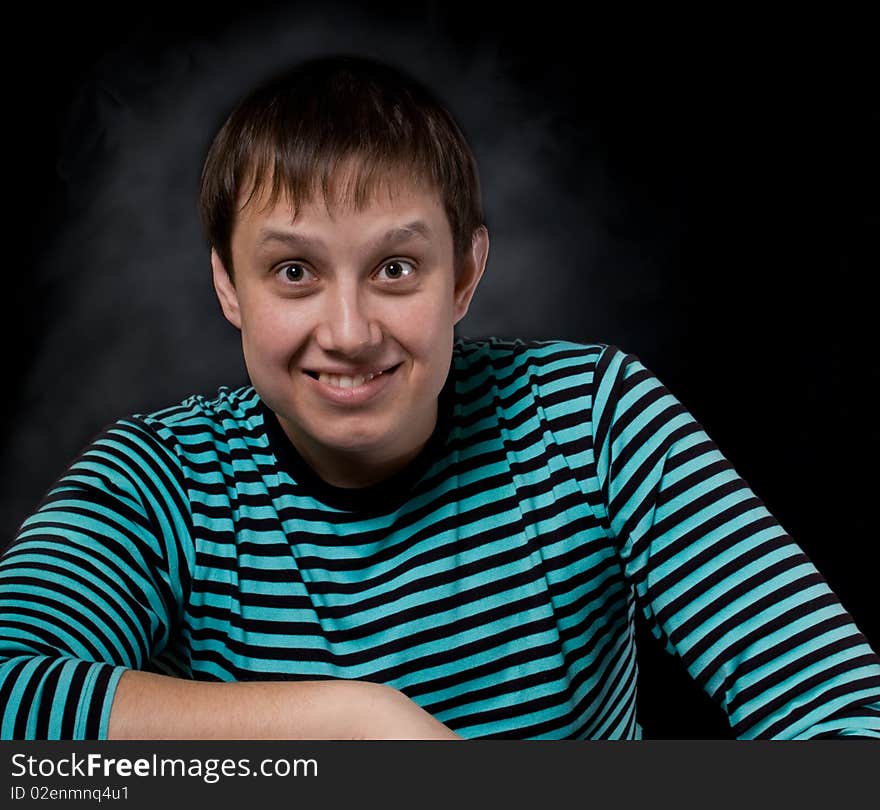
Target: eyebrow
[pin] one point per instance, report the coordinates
(415, 229)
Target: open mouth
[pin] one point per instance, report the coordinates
(314, 374)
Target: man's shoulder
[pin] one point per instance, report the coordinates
(517, 356)
(228, 410)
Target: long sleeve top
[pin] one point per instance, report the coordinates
(494, 580)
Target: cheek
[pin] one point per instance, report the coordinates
(426, 320)
(271, 335)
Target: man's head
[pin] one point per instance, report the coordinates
(297, 131)
(342, 205)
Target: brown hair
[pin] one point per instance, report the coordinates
(302, 125)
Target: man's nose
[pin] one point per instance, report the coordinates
(346, 323)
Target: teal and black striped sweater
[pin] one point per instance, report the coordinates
(494, 580)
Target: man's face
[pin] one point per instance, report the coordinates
(349, 292)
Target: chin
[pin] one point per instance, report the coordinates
(353, 440)
(370, 441)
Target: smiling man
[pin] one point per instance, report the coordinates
(392, 532)
(347, 320)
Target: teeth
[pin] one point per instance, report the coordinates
(339, 381)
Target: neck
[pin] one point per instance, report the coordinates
(360, 468)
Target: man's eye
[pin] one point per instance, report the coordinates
(293, 273)
(398, 269)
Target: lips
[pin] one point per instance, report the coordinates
(352, 382)
(356, 373)
(353, 392)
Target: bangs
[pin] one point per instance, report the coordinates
(343, 130)
(342, 183)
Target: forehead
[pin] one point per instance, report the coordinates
(348, 197)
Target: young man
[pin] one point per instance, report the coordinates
(392, 533)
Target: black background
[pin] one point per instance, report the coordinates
(737, 222)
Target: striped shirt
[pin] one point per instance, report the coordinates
(494, 580)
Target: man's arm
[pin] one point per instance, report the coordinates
(93, 585)
(719, 580)
(92, 589)
(149, 706)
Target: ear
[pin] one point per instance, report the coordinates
(471, 272)
(225, 290)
